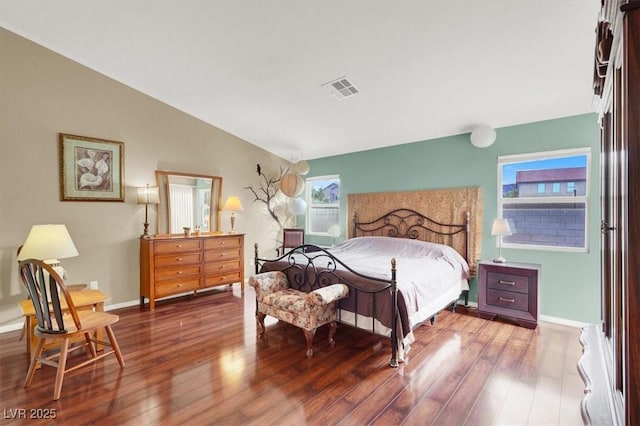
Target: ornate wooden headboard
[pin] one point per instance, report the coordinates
(445, 216)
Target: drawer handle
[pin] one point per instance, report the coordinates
(179, 259)
(179, 285)
(504, 299)
(507, 282)
(223, 278)
(179, 273)
(179, 245)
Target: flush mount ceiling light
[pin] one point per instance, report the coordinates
(341, 88)
(483, 136)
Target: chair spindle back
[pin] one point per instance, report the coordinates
(45, 289)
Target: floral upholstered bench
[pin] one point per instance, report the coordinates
(307, 310)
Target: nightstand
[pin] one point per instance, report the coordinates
(509, 290)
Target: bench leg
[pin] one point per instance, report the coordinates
(332, 332)
(260, 323)
(309, 336)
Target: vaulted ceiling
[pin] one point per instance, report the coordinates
(422, 69)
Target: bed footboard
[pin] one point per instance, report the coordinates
(309, 267)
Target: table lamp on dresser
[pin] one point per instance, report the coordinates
(147, 195)
(233, 205)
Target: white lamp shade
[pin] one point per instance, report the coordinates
(334, 231)
(291, 185)
(501, 227)
(297, 206)
(48, 242)
(148, 195)
(301, 167)
(483, 136)
(233, 204)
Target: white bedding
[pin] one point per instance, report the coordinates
(429, 275)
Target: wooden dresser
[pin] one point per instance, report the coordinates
(175, 265)
(510, 290)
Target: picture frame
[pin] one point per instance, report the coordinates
(91, 169)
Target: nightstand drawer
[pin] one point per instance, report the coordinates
(507, 282)
(508, 299)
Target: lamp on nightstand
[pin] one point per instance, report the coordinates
(334, 232)
(501, 229)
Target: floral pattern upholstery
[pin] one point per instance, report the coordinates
(305, 310)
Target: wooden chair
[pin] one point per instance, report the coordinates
(291, 237)
(72, 287)
(59, 320)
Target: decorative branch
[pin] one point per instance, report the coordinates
(267, 191)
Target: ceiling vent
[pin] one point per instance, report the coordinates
(341, 88)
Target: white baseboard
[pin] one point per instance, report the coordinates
(11, 327)
(121, 305)
(562, 321)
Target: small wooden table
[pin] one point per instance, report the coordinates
(82, 299)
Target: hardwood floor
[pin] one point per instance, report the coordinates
(196, 360)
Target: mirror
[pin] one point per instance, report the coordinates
(188, 200)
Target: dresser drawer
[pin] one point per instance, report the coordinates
(221, 255)
(177, 246)
(222, 267)
(177, 286)
(508, 282)
(508, 299)
(173, 273)
(223, 243)
(178, 259)
(229, 278)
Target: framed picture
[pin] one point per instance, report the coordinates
(91, 169)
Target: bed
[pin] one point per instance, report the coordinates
(399, 278)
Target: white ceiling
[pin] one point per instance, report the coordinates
(425, 69)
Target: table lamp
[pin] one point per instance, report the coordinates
(233, 205)
(48, 243)
(147, 195)
(334, 232)
(500, 228)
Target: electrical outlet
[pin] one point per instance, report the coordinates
(93, 285)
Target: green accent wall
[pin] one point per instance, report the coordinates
(570, 284)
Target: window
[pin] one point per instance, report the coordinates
(550, 220)
(323, 201)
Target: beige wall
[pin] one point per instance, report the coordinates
(42, 94)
